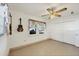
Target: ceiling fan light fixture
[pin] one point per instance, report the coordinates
(55, 13)
(48, 9)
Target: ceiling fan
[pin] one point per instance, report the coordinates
(53, 12)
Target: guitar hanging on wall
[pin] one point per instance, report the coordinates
(10, 26)
(20, 27)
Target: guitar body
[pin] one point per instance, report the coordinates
(20, 27)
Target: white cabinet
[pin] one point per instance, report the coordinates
(76, 38)
(69, 37)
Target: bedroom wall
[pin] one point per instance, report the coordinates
(55, 29)
(23, 38)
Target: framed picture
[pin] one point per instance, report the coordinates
(41, 27)
(32, 27)
(36, 27)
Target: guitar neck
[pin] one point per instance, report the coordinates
(10, 27)
(10, 19)
(20, 21)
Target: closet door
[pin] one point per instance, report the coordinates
(76, 38)
(69, 36)
(1, 20)
(3, 33)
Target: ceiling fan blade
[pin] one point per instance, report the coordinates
(58, 15)
(55, 14)
(44, 15)
(63, 9)
(50, 16)
(50, 10)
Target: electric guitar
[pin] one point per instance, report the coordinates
(10, 26)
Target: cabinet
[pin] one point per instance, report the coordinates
(76, 38)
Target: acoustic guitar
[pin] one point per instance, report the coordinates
(20, 27)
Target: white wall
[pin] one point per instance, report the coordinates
(22, 38)
(67, 31)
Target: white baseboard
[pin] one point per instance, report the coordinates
(29, 44)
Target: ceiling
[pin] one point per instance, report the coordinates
(38, 9)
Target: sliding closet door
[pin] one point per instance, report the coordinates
(3, 30)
